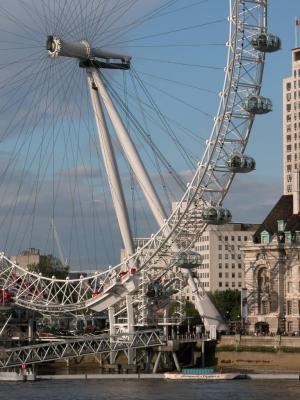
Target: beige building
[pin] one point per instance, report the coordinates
(272, 270)
(291, 123)
(223, 264)
(272, 261)
(27, 257)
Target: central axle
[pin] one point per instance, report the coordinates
(87, 55)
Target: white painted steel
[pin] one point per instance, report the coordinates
(131, 153)
(110, 163)
(211, 182)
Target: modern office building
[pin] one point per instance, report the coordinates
(291, 124)
(223, 261)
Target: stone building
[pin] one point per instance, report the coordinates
(291, 123)
(272, 269)
(220, 247)
(28, 257)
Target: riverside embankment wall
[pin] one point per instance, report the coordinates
(262, 353)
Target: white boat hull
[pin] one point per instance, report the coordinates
(200, 377)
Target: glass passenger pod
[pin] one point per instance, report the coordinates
(241, 163)
(187, 259)
(216, 216)
(266, 42)
(156, 291)
(257, 104)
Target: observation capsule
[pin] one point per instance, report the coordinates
(257, 104)
(155, 291)
(266, 42)
(241, 163)
(216, 215)
(187, 259)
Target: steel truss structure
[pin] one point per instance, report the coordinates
(45, 352)
(153, 262)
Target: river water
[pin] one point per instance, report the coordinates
(151, 390)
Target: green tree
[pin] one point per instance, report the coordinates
(228, 303)
(189, 310)
(49, 266)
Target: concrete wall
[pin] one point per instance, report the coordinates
(251, 353)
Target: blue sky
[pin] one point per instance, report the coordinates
(180, 58)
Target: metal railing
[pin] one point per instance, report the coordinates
(45, 352)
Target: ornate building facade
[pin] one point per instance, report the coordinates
(272, 270)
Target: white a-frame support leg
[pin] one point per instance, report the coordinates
(130, 326)
(112, 332)
(132, 155)
(110, 164)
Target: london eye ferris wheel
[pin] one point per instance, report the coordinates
(117, 133)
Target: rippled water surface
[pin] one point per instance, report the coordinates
(149, 390)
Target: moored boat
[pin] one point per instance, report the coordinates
(200, 374)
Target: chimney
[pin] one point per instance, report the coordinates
(296, 192)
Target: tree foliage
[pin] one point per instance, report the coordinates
(228, 303)
(50, 266)
(189, 310)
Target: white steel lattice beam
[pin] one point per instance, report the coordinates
(46, 352)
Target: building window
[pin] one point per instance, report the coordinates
(233, 275)
(239, 266)
(290, 326)
(220, 284)
(226, 265)
(232, 238)
(226, 284)
(220, 274)
(289, 307)
(239, 274)
(232, 266)
(239, 238)
(264, 307)
(220, 247)
(288, 107)
(220, 265)
(226, 256)
(233, 284)
(288, 86)
(226, 275)
(240, 284)
(226, 238)
(220, 256)
(290, 287)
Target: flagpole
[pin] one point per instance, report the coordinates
(297, 23)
